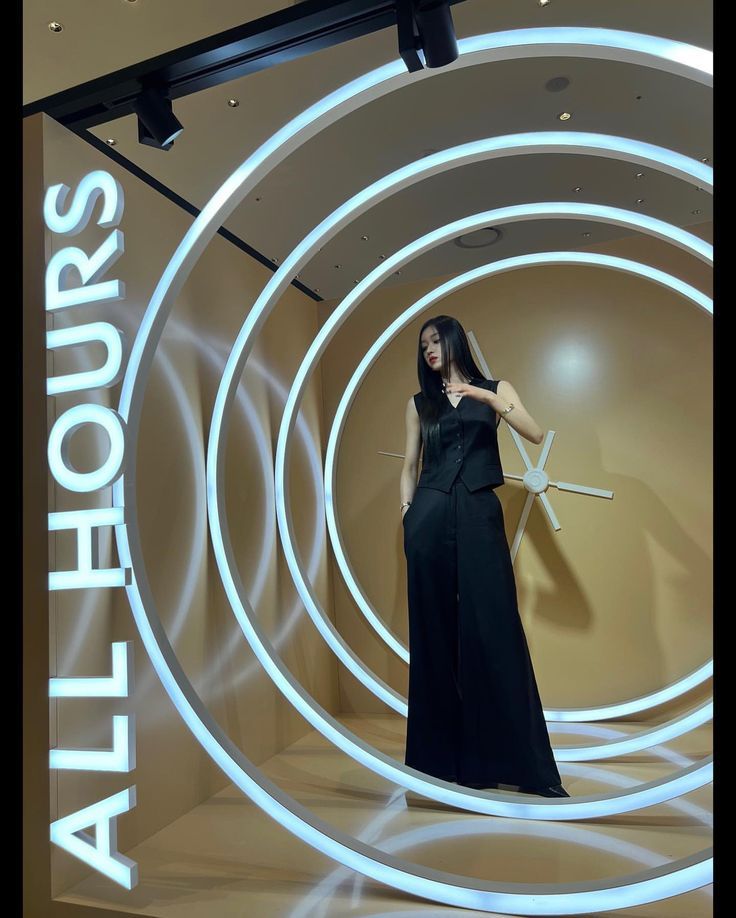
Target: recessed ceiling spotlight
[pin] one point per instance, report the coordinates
(355, 282)
(705, 159)
(397, 272)
(565, 116)
(577, 188)
(233, 103)
(55, 26)
(275, 260)
(586, 234)
(381, 257)
(639, 98)
(478, 239)
(364, 237)
(696, 211)
(297, 276)
(638, 174)
(316, 289)
(542, 2)
(258, 198)
(338, 266)
(557, 84)
(111, 141)
(640, 200)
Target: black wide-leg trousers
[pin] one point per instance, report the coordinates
(474, 711)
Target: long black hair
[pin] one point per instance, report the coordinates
(453, 346)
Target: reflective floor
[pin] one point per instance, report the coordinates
(225, 858)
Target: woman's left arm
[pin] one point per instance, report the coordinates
(519, 418)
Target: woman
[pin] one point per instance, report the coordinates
(474, 712)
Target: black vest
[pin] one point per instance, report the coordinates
(468, 444)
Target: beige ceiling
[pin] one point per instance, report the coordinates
(450, 108)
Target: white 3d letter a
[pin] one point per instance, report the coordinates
(101, 851)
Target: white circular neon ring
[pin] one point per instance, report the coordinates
(218, 428)
(446, 289)
(532, 899)
(666, 160)
(596, 144)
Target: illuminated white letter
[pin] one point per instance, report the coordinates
(87, 574)
(90, 269)
(90, 188)
(118, 685)
(100, 852)
(58, 448)
(108, 375)
(120, 758)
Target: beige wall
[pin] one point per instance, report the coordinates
(173, 773)
(617, 602)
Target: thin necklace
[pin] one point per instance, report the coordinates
(444, 384)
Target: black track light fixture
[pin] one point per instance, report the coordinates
(436, 31)
(426, 24)
(158, 126)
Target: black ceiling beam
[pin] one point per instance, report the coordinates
(271, 40)
(282, 36)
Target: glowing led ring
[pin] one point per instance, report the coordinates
(544, 209)
(666, 160)
(297, 695)
(428, 300)
(645, 886)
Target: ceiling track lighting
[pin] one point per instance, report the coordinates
(426, 24)
(157, 125)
